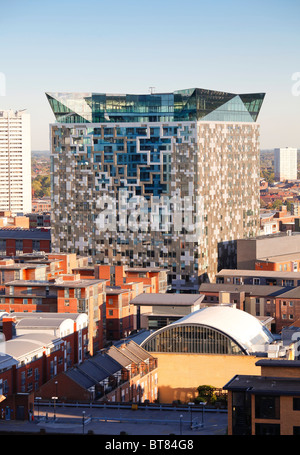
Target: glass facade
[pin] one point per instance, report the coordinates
(154, 147)
(191, 339)
(182, 105)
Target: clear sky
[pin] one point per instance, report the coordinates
(127, 46)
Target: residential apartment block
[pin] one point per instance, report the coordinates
(16, 241)
(285, 163)
(265, 404)
(166, 180)
(67, 294)
(37, 348)
(258, 277)
(15, 161)
(123, 373)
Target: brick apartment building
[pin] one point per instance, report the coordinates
(38, 220)
(123, 285)
(123, 373)
(15, 241)
(8, 220)
(67, 294)
(265, 404)
(46, 282)
(279, 303)
(258, 277)
(37, 348)
(41, 205)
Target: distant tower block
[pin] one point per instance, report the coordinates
(285, 163)
(15, 161)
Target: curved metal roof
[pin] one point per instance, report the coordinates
(246, 330)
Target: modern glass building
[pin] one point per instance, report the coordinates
(168, 180)
(182, 105)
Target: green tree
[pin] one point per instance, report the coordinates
(277, 203)
(206, 393)
(41, 186)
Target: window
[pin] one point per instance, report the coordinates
(5, 387)
(267, 407)
(256, 281)
(110, 312)
(272, 429)
(192, 339)
(2, 245)
(78, 293)
(287, 282)
(36, 374)
(35, 245)
(296, 404)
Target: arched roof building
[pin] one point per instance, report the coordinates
(212, 330)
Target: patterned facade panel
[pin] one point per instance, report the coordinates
(174, 195)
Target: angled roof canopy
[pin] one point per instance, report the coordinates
(182, 105)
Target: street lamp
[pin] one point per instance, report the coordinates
(54, 399)
(180, 423)
(83, 415)
(203, 403)
(191, 404)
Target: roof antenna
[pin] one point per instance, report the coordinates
(151, 90)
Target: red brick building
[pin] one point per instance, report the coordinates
(67, 294)
(126, 373)
(14, 241)
(38, 348)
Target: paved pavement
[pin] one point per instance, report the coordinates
(69, 420)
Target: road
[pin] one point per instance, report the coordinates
(69, 420)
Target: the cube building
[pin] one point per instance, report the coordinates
(167, 180)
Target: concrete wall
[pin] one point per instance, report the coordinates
(179, 375)
(248, 250)
(246, 254)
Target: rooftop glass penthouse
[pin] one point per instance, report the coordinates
(182, 105)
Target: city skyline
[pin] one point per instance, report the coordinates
(104, 48)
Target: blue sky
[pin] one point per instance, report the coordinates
(128, 46)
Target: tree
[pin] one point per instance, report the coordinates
(277, 203)
(206, 393)
(41, 186)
